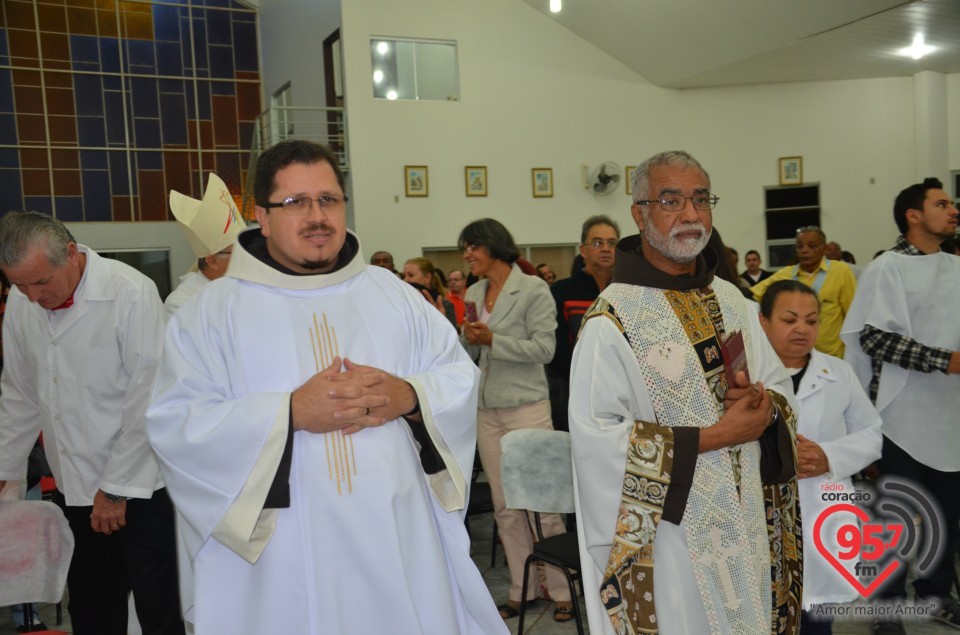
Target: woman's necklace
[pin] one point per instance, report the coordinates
(491, 298)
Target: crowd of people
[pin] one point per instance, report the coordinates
(287, 442)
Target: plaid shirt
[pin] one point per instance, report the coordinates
(893, 348)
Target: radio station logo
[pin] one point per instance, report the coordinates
(868, 536)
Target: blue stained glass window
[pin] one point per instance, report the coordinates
(8, 130)
(84, 48)
(140, 53)
(70, 209)
(42, 204)
(173, 118)
(91, 131)
(88, 94)
(190, 90)
(96, 195)
(93, 160)
(223, 88)
(174, 86)
(166, 23)
(203, 100)
(119, 177)
(200, 43)
(9, 158)
(6, 91)
(147, 133)
(218, 27)
(149, 161)
(168, 59)
(221, 62)
(143, 91)
(4, 52)
(245, 46)
(11, 194)
(110, 54)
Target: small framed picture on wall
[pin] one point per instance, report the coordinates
(542, 182)
(628, 173)
(475, 180)
(416, 180)
(791, 170)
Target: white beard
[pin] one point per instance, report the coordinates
(680, 250)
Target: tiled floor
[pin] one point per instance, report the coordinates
(539, 620)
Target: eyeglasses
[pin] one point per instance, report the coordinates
(468, 249)
(598, 243)
(675, 202)
(808, 228)
(300, 205)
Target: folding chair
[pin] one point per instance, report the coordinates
(537, 473)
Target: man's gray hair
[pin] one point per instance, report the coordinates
(673, 158)
(22, 231)
(593, 221)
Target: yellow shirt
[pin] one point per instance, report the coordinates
(835, 295)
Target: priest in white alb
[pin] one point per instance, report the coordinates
(315, 421)
(685, 477)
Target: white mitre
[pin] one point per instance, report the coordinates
(210, 225)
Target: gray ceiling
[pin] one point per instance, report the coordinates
(700, 43)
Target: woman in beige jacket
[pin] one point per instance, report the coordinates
(511, 338)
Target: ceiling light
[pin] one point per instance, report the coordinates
(391, 94)
(555, 6)
(382, 48)
(918, 49)
(377, 76)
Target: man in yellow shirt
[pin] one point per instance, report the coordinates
(832, 280)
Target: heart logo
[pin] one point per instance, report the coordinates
(873, 542)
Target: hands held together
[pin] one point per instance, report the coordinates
(748, 412)
(349, 397)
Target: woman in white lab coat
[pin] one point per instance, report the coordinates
(838, 434)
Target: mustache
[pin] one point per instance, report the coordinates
(313, 227)
(679, 229)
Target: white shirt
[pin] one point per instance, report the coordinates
(191, 283)
(83, 375)
(917, 297)
(835, 413)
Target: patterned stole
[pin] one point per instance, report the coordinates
(627, 590)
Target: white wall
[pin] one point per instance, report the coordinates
(848, 132)
(535, 95)
(532, 95)
(140, 235)
(291, 46)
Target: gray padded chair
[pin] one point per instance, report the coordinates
(537, 473)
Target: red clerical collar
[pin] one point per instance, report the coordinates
(66, 304)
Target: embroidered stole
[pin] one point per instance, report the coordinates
(627, 589)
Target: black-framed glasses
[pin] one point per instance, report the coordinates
(300, 205)
(675, 202)
(599, 243)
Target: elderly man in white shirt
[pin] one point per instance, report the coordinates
(83, 337)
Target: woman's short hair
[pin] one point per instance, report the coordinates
(493, 235)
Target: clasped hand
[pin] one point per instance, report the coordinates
(478, 333)
(349, 397)
(748, 412)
